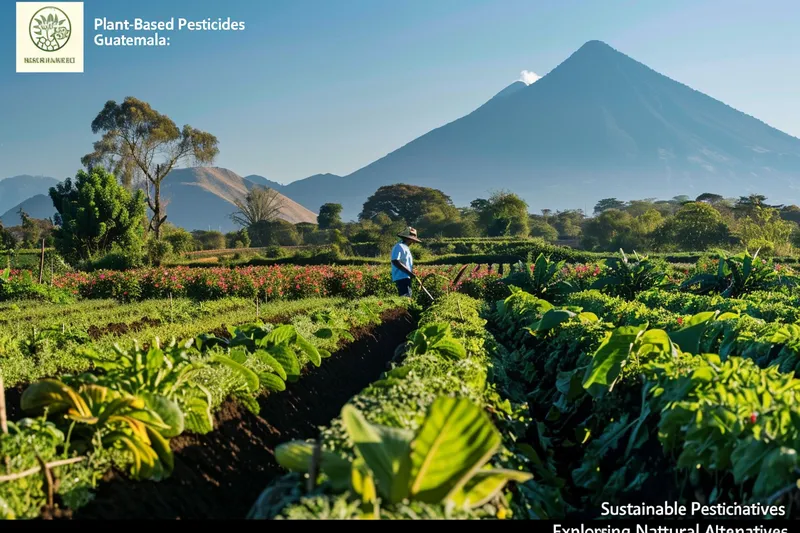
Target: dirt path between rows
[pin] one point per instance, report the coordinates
(221, 474)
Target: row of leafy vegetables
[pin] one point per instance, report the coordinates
(634, 394)
(124, 413)
(637, 404)
(432, 439)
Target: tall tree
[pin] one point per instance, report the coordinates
(260, 205)
(696, 226)
(407, 203)
(138, 140)
(95, 212)
(330, 216)
(709, 198)
(608, 203)
(505, 214)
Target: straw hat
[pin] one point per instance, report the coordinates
(410, 233)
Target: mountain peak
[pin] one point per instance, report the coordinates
(595, 44)
(596, 51)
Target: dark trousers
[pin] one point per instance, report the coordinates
(403, 287)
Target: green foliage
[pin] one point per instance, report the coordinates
(7, 240)
(163, 375)
(695, 226)
(113, 418)
(763, 229)
(138, 139)
(407, 203)
(445, 461)
(95, 213)
(542, 278)
(628, 278)
(503, 214)
(329, 216)
(435, 338)
(738, 275)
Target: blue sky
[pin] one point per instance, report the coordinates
(316, 86)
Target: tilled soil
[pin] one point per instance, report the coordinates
(221, 474)
(121, 328)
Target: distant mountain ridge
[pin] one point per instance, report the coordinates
(16, 189)
(598, 125)
(203, 198)
(196, 198)
(39, 206)
(261, 180)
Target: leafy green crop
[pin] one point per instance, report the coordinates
(444, 461)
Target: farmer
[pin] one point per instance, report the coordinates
(403, 263)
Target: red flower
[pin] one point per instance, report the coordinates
(753, 418)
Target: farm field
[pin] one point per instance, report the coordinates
(528, 391)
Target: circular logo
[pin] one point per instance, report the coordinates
(50, 29)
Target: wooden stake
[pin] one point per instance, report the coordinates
(48, 480)
(313, 470)
(41, 264)
(3, 420)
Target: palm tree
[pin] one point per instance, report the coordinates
(260, 205)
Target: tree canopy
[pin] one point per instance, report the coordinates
(408, 203)
(329, 216)
(95, 212)
(143, 146)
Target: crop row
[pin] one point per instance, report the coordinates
(431, 439)
(637, 413)
(125, 414)
(729, 277)
(38, 346)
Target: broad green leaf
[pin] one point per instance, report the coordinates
(362, 481)
(272, 382)
(310, 350)
(384, 450)
(551, 319)
(281, 334)
(748, 457)
(296, 456)
(239, 354)
(689, 336)
(154, 361)
(54, 395)
(777, 472)
(324, 333)
(569, 384)
(436, 330)
(271, 362)
(485, 485)
(161, 447)
(608, 359)
(450, 348)
(456, 439)
(654, 340)
(288, 360)
(198, 415)
(169, 412)
(250, 377)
